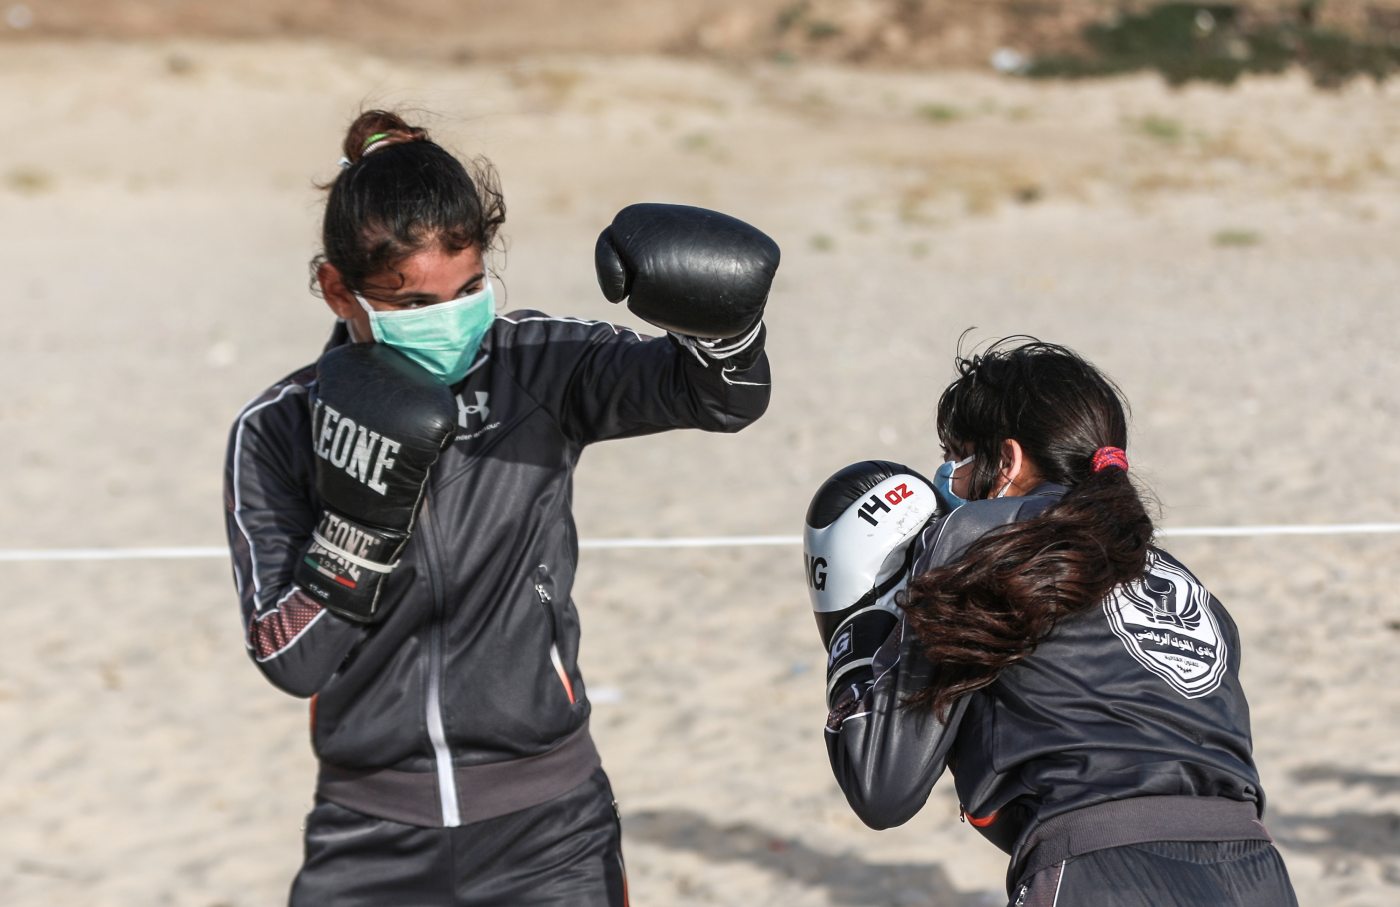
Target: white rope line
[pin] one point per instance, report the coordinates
(1237, 531)
(35, 555)
(20, 555)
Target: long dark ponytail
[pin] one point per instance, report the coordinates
(993, 606)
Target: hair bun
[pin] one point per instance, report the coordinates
(374, 130)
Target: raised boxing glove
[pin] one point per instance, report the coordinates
(691, 271)
(859, 546)
(378, 423)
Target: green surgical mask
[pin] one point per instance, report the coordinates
(443, 337)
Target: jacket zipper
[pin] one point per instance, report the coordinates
(542, 573)
(447, 781)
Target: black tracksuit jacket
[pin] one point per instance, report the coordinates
(474, 662)
(1137, 697)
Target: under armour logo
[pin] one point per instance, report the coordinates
(479, 408)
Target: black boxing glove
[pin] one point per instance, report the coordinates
(859, 545)
(693, 272)
(378, 423)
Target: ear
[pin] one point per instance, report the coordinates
(1013, 461)
(337, 295)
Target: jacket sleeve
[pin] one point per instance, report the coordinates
(270, 511)
(886, 756)
(603, 381)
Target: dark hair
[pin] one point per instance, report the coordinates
(399, 192)
(991, 607)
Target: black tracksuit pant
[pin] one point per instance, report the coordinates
(566, 852)
(1164, 874)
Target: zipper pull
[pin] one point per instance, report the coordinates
(962, 813)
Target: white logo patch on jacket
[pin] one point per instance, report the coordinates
(476, 415)
(1165, 622)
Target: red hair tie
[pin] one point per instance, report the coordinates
(1105, 457)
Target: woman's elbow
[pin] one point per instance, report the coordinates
(880, 809)
(300, 684)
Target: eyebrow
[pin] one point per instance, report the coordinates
(408, 297)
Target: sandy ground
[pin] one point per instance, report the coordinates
(1229, 257)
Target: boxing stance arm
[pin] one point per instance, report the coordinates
(886, 757)
(703, 277)
(620, 384)
(863, 529)
(270, 513)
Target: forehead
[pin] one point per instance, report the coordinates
(432, 270)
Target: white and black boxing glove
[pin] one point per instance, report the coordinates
(701, 275)
(378, 423)
(859, 546)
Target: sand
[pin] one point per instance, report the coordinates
(1226, 255)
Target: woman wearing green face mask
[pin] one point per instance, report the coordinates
(411, 276)
(399, 519)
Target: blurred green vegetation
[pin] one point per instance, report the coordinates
(1163, 129)
(1236, 238)
(939, 113)
(1216, 42)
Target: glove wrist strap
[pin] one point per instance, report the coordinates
(707, 351)
(723, 349)
(344, 555)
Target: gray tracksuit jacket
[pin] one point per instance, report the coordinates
(1137, 697)
(466, 700)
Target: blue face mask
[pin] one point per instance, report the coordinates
(443, 337)
(943, 481)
